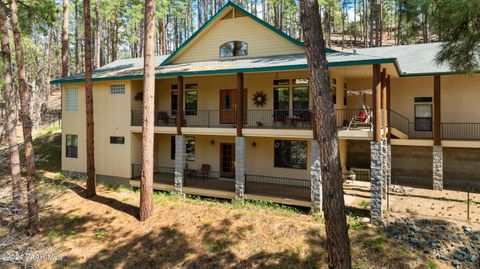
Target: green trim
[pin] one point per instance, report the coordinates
(234, 6)
(235, 70)
(77, 80)
(429, 74)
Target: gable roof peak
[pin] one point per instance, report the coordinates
(217, 16)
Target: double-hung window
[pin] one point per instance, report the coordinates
(191, 99)
(71, 143)
(423, 114)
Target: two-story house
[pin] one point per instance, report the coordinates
(234, 101)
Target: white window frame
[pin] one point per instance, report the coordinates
(116, 89)
(71, 100)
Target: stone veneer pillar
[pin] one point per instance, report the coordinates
(180, 161)
(376, 177)
(389, 166)
(438, 168)
(316, 178)
(240, 163)
(384, 167)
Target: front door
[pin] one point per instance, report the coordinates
(228, 99)
(227, 160)
(227, 106)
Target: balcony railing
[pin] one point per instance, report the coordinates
(161, 174)
(460, 131)
(300, 119)
(278, 187)
(254, 118)
(162, 117)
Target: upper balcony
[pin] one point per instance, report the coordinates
(348, 124)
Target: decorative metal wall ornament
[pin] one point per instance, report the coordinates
(259, 98)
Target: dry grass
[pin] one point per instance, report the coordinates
(199, 233)
(104, 232)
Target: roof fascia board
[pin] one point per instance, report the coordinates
(233, 71)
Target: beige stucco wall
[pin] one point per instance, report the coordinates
(261, 41)
(260, 159)
(209, 89)
(460, 95)
(111, 118)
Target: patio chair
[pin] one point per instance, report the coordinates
(280, 116)
(190, 173)
(203, 172)
(304, 118)
(362, 118)
(162, 118)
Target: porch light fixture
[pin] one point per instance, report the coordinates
(212, 142)
(254, 144)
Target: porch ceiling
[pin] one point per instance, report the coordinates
(362, 71)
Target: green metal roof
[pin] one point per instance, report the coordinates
(413, 60)
(133, 68)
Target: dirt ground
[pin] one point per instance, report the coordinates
(446, 204)
(104, 232)
(200, 233)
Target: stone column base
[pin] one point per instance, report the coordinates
(180, 162)
(316, 179)
(389, 165)
(438, 168)
(377, 180)
(316, 187)
(240, 164)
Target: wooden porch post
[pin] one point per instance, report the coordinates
(376, 94)
(239, 104)
(180, 113)
(437, 168)
(437, 139)
(389, 104)
(384, 102)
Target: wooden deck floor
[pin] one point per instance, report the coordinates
(225, 188)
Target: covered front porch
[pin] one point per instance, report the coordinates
(210, 168)
(280, 190)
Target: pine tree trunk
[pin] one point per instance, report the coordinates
(161, 49)
(65, 44)
(25, 99)
(343, 27)
(77, 59)
(91, 178)
(399, 22)
(10, 121)
(426, 30)
(98, 36)
(365, 23)
(338, 243)
(146, 183)
(355, 22)
(380, 24)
